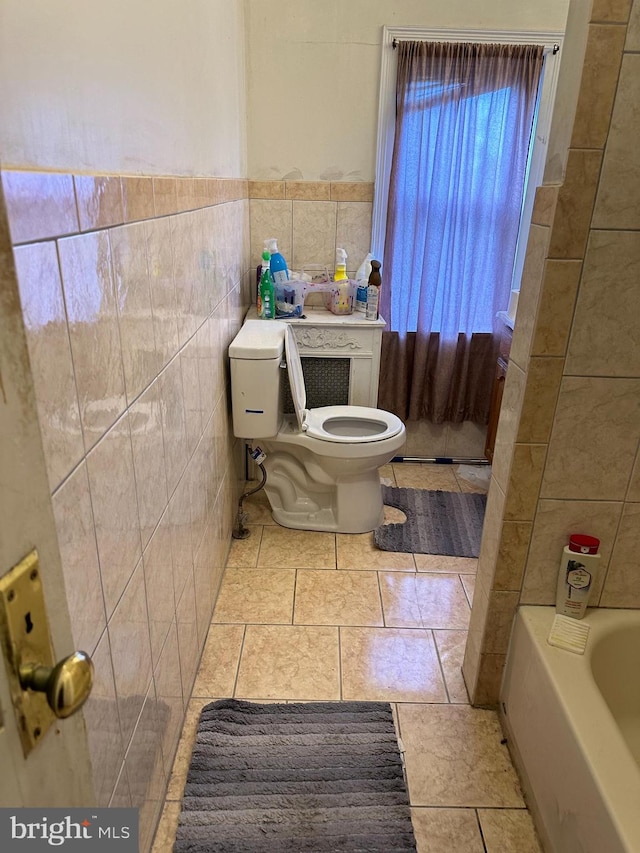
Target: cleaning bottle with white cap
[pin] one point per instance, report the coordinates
(341, 265)
(362, 280)
(277, 263)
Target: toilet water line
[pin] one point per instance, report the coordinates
(239, 530)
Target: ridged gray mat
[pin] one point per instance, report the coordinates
(316, 777)
(446, 523)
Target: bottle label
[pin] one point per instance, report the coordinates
(280, 277)
(361, 298)
(258, 455)
(577, 576)
(372, 303)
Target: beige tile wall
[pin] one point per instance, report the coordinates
(569, 434)
(132, 289)
(311, 219)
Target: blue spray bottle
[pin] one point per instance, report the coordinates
(277, 264)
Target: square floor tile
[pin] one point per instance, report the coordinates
(454, 757)
(220, 659)
(440, 563)
(423, 601)
(446, 830)
(424, 476)
(289, 662)
(298, 549)
(337, 598)
(249, 595)
(390, 665)
(509, 831)
(357, 551)
(244, 552)
(451, 646)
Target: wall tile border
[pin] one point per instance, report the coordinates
(312, 190)
(81, 203)
(45, 205)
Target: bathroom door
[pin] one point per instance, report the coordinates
(57, 772)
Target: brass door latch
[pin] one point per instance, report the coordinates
(41, 689)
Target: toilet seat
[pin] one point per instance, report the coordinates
(339, 424)
(351, 424)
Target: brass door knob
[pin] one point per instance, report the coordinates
(67, 684)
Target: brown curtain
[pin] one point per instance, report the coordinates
(463, 128)
(465, 398)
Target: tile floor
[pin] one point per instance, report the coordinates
(317, 616)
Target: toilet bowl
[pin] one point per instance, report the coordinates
(322, 464)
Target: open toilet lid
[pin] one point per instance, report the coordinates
(296, 377)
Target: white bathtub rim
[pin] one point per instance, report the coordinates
(615, 772)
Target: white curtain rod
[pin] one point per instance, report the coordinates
(554, 49)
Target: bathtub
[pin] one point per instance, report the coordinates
(573, 728)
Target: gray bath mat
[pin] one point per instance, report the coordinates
(446, 523)
(296, 778)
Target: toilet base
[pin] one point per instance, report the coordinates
(324, 520)
(351, 504)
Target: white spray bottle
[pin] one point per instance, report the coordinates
(362, 278)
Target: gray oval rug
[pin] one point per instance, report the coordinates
(295, 778)
(445, 523)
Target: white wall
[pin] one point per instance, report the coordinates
(141, 87)
(313, 71)
(125, 86)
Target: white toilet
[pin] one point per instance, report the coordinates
(322, 464)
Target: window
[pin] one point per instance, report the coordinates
(453, 211)
(486, 136)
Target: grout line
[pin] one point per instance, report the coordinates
(382, 611)
(444, 677)
(484, 844)
(464, 592)
(235, 680)
(464, 589)
(295, 593)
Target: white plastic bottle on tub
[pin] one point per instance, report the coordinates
(578, 567)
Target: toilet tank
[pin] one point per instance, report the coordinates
(255, 355)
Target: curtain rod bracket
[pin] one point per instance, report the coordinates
(556, 48)
(394, 44)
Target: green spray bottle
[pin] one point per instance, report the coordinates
(267, 291)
